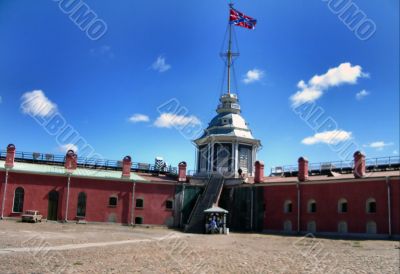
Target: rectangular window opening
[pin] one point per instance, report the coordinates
(139, 203)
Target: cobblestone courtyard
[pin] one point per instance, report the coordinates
(88, 248)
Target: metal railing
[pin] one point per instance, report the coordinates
(372, 164)
(229, 106)
(51, 159)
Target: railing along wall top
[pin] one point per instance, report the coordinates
(86, 162)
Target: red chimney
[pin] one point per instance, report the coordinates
(303, 169)
(182, 172)
(10, 156)
(359, 164)
(259, 172)
(126, 166)
(71, 161)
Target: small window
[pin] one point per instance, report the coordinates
(169, 204)
(112, 201)
(312, 206)
(371, 205)
(288, 206)
(342, 206)
(139, 220)
(139, 203)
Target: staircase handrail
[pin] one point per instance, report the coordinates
(220, 191)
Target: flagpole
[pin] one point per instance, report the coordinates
(229, 51)
(238, 19)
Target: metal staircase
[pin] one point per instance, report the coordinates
(209, 197)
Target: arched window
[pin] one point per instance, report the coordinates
(371, 227)
(312, 206)
(342, 227)
(287, 226)
(371, 205)
(139, 220)
(18, 205)
(311, 227)
(287, 206)
(81, 210)
(342, 205)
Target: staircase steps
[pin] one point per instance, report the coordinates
(209, 197)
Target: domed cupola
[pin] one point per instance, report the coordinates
(227, 144)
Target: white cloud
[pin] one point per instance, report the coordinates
(136, 118)
(328, 137)
(345, 73)
(253, 75)
(160, 65)
(378, 145)
(66, 147)
(360, 95)
(37, 104)
(168, 120)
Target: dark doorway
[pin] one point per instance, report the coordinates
(53, 206)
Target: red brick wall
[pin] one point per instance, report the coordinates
(98, 193)
(327, 196)
(274, 215)
(155, 197)
(37, 188)
(395, 193)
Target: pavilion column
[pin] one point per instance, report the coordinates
(253, 158)
(236, 157)
(208, 157)
(233, 171)
(196, 160)
(212, 157)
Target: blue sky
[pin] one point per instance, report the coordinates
(108, 90)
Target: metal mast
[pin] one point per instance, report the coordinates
(229, 53)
